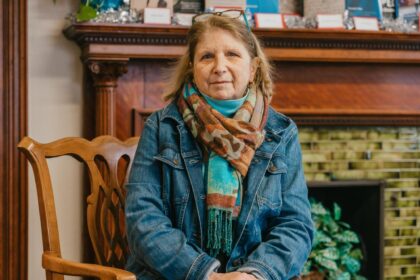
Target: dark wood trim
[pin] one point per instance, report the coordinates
(13, 104)
(346, 184)
(105, 40)
(139, 118)
(355, 119)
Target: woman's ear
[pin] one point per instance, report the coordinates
(255, 64)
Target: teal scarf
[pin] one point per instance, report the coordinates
(222, 178)
(229, 155)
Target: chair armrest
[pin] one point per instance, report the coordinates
(66, 267)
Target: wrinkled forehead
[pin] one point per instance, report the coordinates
(212, 30)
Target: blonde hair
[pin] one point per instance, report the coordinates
(182, 72)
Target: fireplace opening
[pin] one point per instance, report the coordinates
(362, 207)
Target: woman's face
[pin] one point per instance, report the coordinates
(222, 65)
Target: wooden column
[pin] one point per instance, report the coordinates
(105, 80)
(13, 126)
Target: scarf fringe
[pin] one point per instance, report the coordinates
(219, 235)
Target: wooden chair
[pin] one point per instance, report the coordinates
(108, 161)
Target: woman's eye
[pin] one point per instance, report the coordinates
(206, 56)
(233, 54)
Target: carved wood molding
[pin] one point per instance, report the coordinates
(13, 171)
(105, 80)
(355, 120)
(141, 34)
(336, 43)
(106, 74)
(140, 116)
(87, 33)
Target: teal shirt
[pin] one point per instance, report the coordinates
(226, 107)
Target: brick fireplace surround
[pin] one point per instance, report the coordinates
(376, 153)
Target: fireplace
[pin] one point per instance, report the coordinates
(362, 207)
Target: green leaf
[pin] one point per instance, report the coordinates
(318, 209)
(347, 236)
(345, 248)
(327, 263)
(351, 264)
(331, 253)
(343, 224)
(344, 276)
(359, 277)
(321, 237)
(332, 226)
(356, 254)
(337, 212)
(85, 12)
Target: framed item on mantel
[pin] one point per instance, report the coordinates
(364, 8)
(263, 6)
(408, 10)
(291, 7)
(313, 8)
(188, 6)
(241, 4)
(140, 5)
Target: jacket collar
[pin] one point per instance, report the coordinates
(171, 112)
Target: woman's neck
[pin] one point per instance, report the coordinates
(226, 107)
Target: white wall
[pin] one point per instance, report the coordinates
(55, 111)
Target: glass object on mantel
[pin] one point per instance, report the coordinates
(103, 5)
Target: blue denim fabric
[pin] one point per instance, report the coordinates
(165, 205)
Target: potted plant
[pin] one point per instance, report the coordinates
(89, 9)
(336, 252)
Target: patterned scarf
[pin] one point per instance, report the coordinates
(232, 143)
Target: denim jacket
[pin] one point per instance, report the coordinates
(166, 205)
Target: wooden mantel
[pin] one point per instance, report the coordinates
(321, 77)
(130, 41)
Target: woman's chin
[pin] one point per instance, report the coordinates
(222, 94)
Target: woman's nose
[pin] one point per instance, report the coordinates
(220, 66)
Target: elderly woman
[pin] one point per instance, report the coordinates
(216, 189)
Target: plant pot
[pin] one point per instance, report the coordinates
(313, 275)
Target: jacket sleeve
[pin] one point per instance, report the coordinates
(152, 238)
(288, 241)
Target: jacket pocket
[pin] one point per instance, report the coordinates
(270, 191)
(175, 183)
(170, 157)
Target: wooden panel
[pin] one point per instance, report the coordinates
(141, 88)
(333, 88)
(13, 122)
(312, 93)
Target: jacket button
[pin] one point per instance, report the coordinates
(269, 139)
(273, 168)
(175, 161)
(236, 262)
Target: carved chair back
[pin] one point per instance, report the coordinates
(108, 161)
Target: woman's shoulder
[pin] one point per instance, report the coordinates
(279, 123)
(169, 111)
